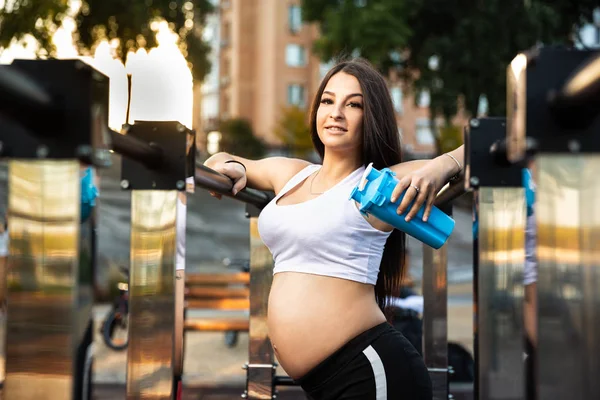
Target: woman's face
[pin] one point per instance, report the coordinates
(340, 113)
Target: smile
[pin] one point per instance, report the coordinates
(335, 129)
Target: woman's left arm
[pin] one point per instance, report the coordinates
(423, 179)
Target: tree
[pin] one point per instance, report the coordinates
(293, 131)
(473, 42)
(127, 20)
(238, 138)
(450, 137)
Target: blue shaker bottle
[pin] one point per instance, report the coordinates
(89, 192)
(373, 195)
(529, 186)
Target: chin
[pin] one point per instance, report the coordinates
(339, 146)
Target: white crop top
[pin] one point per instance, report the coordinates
(326, 235)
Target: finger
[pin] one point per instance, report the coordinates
(409, 195)
(239, 185)
(399, 189)
(414, 209)
(429, 205)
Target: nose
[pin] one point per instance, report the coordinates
(337, 112)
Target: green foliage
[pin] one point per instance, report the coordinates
(379, 29)
(476, 41)
(127, 20)
(293, 131)
(473, 40)
(238, 138)
(40, 18)
(449, 138)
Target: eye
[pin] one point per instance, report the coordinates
(355, 104)
(326, 101)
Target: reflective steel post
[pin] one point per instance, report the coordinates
(435, 318)
(151, 294)
(568, 223)
(154, 358)
(555, 113)
(500, 293)
(51, 255)
(260, 367)
(49, 291)
(499, 256)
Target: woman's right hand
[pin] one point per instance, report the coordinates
(233, 170)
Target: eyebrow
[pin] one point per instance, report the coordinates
(347, 97)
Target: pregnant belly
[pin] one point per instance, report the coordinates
(312, 316)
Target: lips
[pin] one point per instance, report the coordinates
(336, 129)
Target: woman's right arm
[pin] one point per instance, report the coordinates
(269, 174)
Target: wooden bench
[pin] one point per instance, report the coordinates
(224, 292)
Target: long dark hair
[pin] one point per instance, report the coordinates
(381, 146)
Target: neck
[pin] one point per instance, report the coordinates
(337, 166)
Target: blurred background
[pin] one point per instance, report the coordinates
(242, 74)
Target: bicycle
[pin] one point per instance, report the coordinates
(114, 329)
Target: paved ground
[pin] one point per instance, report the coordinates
(209, 362)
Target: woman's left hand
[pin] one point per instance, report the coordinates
(422, 186)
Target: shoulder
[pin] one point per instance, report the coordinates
(284, 169)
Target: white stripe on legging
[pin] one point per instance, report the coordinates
(378, 372)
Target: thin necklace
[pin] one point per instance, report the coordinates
(311, 183)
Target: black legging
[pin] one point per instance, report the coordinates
(379, 364)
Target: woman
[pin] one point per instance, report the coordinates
(332, 275)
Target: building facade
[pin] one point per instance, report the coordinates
(265, 63)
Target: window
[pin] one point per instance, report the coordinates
(424, 134)
(225, 34)
(226, 66)
(424, 99)
(295, 95)
(294, 55)
(482, 106)
(295, 18)
(225, 109)
(397, 99)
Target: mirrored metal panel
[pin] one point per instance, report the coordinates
(568, 223)
(151, 295)
(501, 256)
(44, 323)
(435, 318)
(260, 351)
